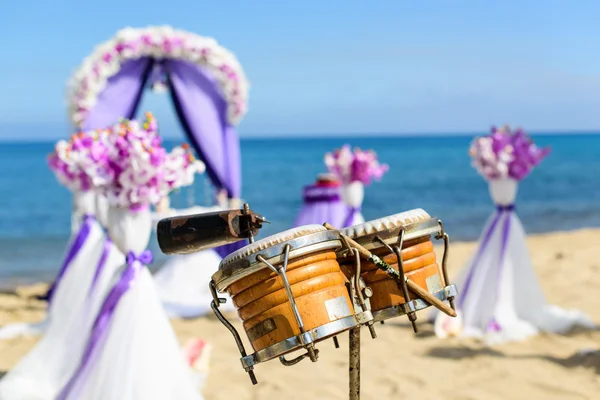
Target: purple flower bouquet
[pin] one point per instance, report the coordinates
(142, 170)
(127, 163)
(352, 166)
(80, 163)
(505, 154)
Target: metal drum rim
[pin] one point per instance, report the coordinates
(417, 304)
(303, 245)
(294, 343)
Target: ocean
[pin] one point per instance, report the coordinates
(433, 173)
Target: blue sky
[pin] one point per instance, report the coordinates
(333, 66)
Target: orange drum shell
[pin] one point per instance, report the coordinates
(409, 251)
(419, 261)
(264, 274)
(313, 311)
(319, 289)
(299, 289)
(275, 283)
(387, 292)
(410, 265)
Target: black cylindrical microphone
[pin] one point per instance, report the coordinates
(190, 233)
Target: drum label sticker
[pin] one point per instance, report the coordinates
(434, 284)
(261, 329)
(337, 308)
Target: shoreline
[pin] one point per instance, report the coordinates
(33, 278)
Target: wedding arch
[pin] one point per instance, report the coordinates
(206, 82)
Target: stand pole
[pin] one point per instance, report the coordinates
(354, 363)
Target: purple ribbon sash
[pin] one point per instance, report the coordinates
(509, 207)
(493, 325)
(104, 317)
(322, 198)
(145, 257)
(484, 243)
(101, 263)
(74, 249)
(351, 212)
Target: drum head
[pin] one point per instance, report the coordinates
(386, 223)
(415, 223)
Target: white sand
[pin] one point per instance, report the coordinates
(399, 364)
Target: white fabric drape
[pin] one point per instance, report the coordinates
(182, 282)
(102, 208)
(500, 298)
(83, 203)
(353, 195)
(138, 357)
(42, 373)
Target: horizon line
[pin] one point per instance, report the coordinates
(324, 136)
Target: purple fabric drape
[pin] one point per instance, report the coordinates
(352, 211)
(200, 107)
(322, 204)
(500, 211)
(493, 325)
(74, 248)
(224, 251)
(101, 263)
(122, 95)
(203, 114)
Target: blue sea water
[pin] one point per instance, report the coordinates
(433, 173)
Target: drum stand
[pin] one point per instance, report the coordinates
(354, 363)
(360, 294)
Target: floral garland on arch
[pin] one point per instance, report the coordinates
(358, 165)
(126, 162)
(161, 42)
(506, 154)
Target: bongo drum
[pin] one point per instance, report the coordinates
(408, 234)
(289, 292)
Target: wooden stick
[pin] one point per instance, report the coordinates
(418, 290)
(434, 301)
(363, 252)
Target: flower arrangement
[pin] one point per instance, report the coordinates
(79, 164)
(506, 154)
(142, 170)
(157, 42)
(355, 165)
(127, 163)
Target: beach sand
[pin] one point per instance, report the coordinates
(399, 364)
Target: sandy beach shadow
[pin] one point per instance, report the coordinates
(425, 328)
(2, 373)
(462, 352)
(588, 360)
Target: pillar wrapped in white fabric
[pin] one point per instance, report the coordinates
(353, 194)
(132, 352)
(500, 298)
(75, 300)
(84, 203)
